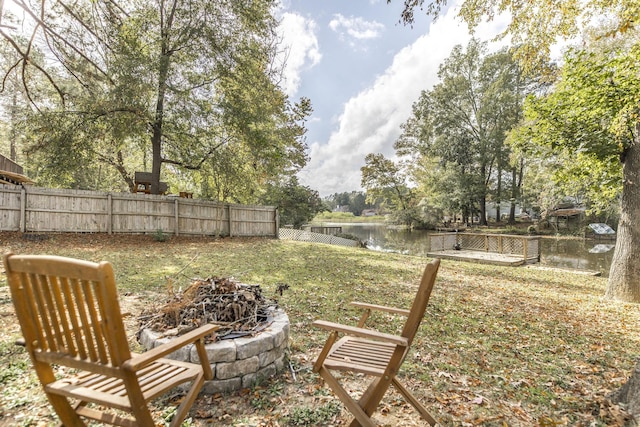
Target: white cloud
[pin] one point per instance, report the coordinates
(355, 28)
(301, 49)
(370, 121)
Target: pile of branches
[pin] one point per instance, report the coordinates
(239, 309)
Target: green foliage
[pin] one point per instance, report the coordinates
(456, 135)
(587, 123)
(318, 415)
(160, 236)
(536, 24)
(198, 92)
(355, 200)
(334, 216)
(383, 179)
(297, 204)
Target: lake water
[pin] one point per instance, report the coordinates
(581, 254)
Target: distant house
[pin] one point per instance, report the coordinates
(567, 217)
(342, 208)
(12, 173)
(369, 212)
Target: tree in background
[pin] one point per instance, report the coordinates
(173, 83)
(608, 87)
(462, 123)
(297, 204)
(356, 201)
(385, 180)
(602, 101)
(14, 101)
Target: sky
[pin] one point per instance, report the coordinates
(362, 70)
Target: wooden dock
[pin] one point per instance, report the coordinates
(496, 249)
(479, 257)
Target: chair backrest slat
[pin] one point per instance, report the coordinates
(70, 321)
(419, 306)
(70, 307)
(33, 301)
(94, 304)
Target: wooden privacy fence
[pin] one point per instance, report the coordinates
(308, 236)
(526, 247)
(33, 209)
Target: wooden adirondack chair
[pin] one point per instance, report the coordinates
(70, 316)
(374, 353)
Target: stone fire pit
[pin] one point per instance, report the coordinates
(239, 362)
(249, 348)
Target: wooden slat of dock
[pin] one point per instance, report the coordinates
(479, 257)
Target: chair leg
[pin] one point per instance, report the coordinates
(65, 411)
(362, 419)
(371, 398)
(187, 402)
(414, 402)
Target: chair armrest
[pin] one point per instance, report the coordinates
(386, 309)
(140, 360)
(361, 332)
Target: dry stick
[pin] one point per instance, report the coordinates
(293, 372)
(175, 277)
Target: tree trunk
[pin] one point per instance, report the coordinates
(483, 210)
(163, 75)
(516, 182)
(624, 276)
(498, 194)
(629, 394)
(13, 136)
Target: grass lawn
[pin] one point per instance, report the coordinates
(500, 346)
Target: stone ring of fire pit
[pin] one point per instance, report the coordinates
(236, 363)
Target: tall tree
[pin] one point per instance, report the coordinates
(297, 204)
(384, 179)
(168, 82)
(535, 26)
(464, 119)
(593, 111)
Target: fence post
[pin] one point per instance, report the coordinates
(230, 221)
(109, 214)
(276, 214)
(23, 210)
(177, 216)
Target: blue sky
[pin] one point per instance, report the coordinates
(362, 70)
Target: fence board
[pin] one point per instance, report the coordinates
(10, 201)
(54, 210)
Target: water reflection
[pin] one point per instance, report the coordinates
(582, 254)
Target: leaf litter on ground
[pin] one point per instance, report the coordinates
(499, 346)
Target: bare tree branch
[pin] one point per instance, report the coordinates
(40, 22)
(26, 61)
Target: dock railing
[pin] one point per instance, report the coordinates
(508, 244)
